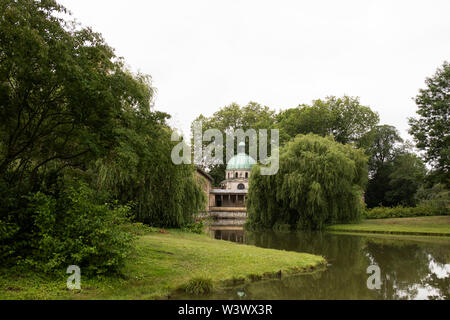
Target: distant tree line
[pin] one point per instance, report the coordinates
(397, 175)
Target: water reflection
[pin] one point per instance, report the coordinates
(235, 234)
(411, 268)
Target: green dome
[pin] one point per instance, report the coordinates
(241, 161)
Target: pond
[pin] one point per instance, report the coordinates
(409, 267)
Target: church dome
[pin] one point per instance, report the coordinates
(241, 161)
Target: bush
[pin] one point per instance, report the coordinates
(404, 212)
(74, 230)
(196, 227)
(7, 231)
(199, 286)
(138, 228)
(438, 196)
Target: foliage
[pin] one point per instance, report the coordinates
(380, 144)
(431, 128)
(305, 119)
(7, 231)
(140, 169)
(196, 227)
(395, 173)
(73, 230)
(60, 91)
(319, 182)
(377, 186)
(405, 212)
(70, 111)
(344, 118)
(396, 180)
(199, 286)
(406, 177)
(412, 225)
(436, 197)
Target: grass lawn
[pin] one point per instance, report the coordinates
(438, 225)
(162, 263)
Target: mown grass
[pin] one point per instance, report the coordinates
(436, 225)
(163, 263)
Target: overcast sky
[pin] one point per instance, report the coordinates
(203, 55)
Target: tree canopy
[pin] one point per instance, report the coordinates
(381, 144)
(405, 179)
(344, 118)
(78, 131)
(396, 173)
(431, 129)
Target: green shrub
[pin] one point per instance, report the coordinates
(438, 196)
(199, 286)
(138, 228)
(404, 212)
(74, 230)
(7, 231)
(196, 227)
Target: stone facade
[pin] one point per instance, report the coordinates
(236, 180)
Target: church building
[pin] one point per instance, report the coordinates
(233, 190)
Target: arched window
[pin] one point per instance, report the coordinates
(236, 175)
(241, 186)
(246, 175)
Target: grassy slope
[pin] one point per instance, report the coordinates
(438, 225)
(161, 264)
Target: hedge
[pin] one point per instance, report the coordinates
(403, 212)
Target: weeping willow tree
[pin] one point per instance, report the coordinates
(140, 170)
(319, 182)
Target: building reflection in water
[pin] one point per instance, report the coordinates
(229, 233)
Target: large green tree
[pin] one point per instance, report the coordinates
(77, 130)
(60, 91)
(319, 182)
(395, 173)
(406, 177)
(431, 129)
(344, 118)
(396, 180)
(381, 144)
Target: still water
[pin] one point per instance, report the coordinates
(410, 267)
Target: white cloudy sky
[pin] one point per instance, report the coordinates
(203, 55)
